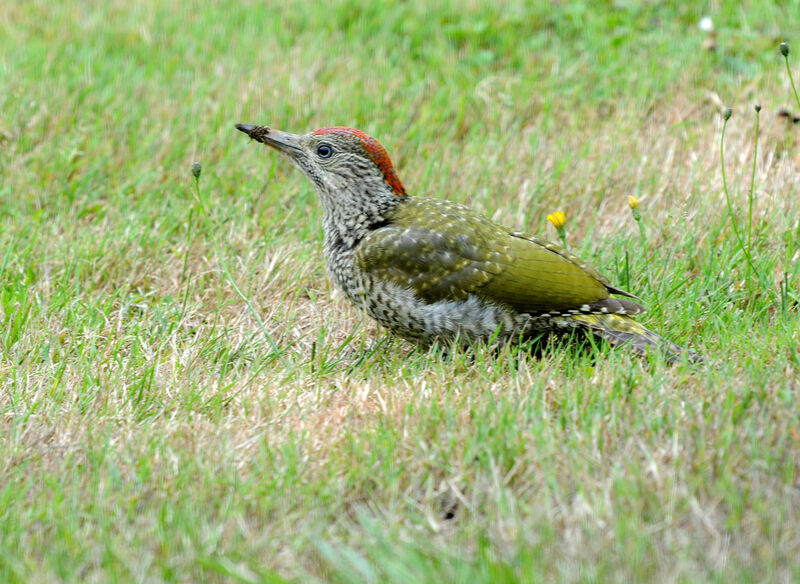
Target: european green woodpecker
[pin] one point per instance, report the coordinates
(431, 269)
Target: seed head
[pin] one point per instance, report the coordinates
(196, 169)
(785, 49)
(758, 107)
(726, 115)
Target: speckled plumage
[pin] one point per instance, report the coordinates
(430, 269)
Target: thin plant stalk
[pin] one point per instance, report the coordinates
(185, 268)
(738, 235)
(785, 53)
(751, 194)
(231, 281)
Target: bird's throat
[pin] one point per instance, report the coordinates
(345, 225)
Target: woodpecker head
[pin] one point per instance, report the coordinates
(351, 172)
(335, 159)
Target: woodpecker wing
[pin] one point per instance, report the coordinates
(446, 251)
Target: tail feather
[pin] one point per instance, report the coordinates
(619, 329)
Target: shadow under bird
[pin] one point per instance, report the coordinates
(431, 269)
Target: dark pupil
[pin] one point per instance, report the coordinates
(324, 151)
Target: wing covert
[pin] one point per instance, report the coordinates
(443, 250)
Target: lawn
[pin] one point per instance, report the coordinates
(186, 398)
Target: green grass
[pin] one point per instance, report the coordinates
(186, 398)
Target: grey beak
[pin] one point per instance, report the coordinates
(282, 141)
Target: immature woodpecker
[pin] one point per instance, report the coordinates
(431, 269)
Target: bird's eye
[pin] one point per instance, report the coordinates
(324, 151)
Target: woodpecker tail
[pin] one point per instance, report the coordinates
(619, 329)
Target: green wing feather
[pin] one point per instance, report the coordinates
(443, 250)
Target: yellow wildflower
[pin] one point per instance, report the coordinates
(633, 203)
(557, 219)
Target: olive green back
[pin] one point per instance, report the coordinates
(443, 250)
